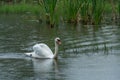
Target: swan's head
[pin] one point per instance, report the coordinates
(58, 41)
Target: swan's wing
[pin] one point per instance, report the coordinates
(43, 50)
(45, 47)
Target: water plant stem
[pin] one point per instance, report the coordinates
(49, 7)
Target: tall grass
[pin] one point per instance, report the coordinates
(71, 9)
(19, 8)
(49, 8)
(92, 11)
(85, 11)
(119, 8)
(97, 11)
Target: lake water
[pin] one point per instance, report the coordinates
(87, 52)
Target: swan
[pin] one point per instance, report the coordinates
(41, 50)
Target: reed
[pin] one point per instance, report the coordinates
(97, 11)
(84, 11)
(49, 8)
(19, 9)
(71, 9)
(119, 8)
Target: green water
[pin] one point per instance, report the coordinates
(87, 52)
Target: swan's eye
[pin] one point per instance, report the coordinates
(58, 40)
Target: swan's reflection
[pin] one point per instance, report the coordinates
(44, 68)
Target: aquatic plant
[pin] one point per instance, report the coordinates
(119, 8)
(84, 11)
(91, 11)
(71, 9)
(97, 11)
(20, 8)
(49, 8)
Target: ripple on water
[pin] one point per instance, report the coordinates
(12, 56)
(87, 53)
(103, 41)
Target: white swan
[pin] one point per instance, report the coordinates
(43, 51)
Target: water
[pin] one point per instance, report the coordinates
(87, 52)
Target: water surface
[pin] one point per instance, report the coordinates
(87, 52)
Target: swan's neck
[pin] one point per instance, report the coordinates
(56, 50)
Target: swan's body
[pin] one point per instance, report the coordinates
(43, 51)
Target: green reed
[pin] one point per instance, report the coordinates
(88, 11)
(119, 7)
(97, 11)
(49, 7)
(71, 9)
(84, 11)
(19, 8)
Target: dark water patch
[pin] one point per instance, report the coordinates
(15, 69)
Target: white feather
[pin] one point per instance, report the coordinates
(43, 51)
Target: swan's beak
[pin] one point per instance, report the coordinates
(59, 42)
